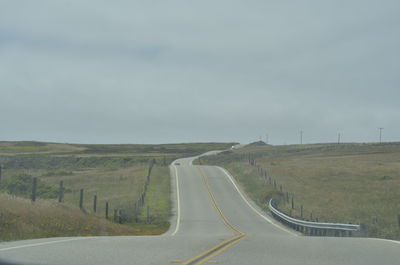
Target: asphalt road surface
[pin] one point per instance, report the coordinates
(213, 223)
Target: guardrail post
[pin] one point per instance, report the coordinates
(34, 187)
(312, 228)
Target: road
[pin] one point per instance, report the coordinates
(213, 223)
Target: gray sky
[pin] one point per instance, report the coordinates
(177, 71)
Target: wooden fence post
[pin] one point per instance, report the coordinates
(398, 219)
(292, 202)
(95, 203)
(1, 171)
(61, 192)
(81, 199)
(106, 210)
(34, 187)
(148, 214)
(136, 213)
(301, 211)
(120, 216)
(115, 215)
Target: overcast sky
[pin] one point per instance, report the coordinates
(182, 71)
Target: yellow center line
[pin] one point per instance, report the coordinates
(219, 248)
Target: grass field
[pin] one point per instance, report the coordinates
(114, 173)
(357, 183)
(22, 219)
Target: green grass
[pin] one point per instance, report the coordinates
(9, 148)
(114, 173)
(357, 183)
(158, 198)
(21, 185)
(120, 186)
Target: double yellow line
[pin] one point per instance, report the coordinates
(217, 249)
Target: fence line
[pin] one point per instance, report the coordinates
(120, 215)
(306, 227)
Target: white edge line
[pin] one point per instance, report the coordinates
(382, 239)
(251, 206)
(44, 243)
(267, 219)
(178, 204)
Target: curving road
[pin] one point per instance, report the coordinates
(213, 223)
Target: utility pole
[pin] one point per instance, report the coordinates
(338, 138)
(380, 134)
(301, 137)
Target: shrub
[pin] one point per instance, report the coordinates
(21, 185)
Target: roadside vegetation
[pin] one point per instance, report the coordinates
(22, 219)
(116, 174)
(348, 183)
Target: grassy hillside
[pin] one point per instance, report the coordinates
(357, 183)
(114, 173)
(22, 219)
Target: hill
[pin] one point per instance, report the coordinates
(356, 183)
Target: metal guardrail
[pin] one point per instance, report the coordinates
(312, 228)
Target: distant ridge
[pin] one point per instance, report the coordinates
(258, 143)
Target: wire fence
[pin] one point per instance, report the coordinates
(135, 212)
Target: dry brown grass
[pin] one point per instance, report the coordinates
(358, 183)
(22, 219)
(115, 173)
